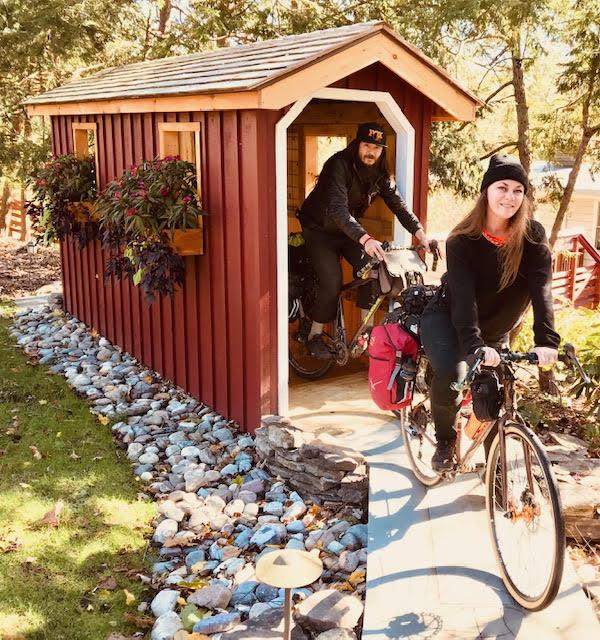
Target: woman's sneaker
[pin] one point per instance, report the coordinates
(318, 348)
(443, 458)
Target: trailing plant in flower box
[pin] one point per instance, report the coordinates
(140, 212)
(63, 189)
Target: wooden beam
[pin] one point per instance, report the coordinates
(164, 104)
(81, 142)
(380, 47)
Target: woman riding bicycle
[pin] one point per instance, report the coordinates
(498, 261)
(330, 218)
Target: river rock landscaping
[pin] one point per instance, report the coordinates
(221, 507)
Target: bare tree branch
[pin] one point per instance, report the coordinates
(514, 143)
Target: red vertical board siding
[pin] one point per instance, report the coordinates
(214, 204)
(235, 280)
(204, 273)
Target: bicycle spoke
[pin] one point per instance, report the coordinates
(526, 531)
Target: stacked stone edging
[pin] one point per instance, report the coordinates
(318, 465)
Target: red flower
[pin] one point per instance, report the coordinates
(186, 199)
(131, 211)
(168, 158)
(117, 195)
(164, 191)
(41, 182)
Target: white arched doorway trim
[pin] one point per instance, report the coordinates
(405, 155)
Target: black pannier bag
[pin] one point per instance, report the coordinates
(302, 283)
(486, 391)
(412, 302)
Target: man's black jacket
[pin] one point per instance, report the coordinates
(340, 198)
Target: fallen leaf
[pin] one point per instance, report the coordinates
(342, 586)
(110, 584)
(147, 379)
(356, 577)
(42, 402)
(74, 456)
(52, 518)
(140, 621)
(103, 420)
(96, 458)
(36, 452)
(24, 485)
(129, 597)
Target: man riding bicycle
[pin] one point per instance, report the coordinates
(330, 218)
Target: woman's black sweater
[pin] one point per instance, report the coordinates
(480, 312)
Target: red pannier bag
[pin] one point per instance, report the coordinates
(390, 346)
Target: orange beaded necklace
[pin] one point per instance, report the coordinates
(494, 239)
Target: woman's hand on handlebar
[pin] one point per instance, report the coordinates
(373, 248)
(546, 356)
(491, 358)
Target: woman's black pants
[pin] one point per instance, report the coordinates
(324, 251)
(440, 341)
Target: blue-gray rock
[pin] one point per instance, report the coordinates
(244, 594)
(296, 526)
(164, 601)
(220, 622)
(215, 551)
(148, 458)
(190, 452)
(361, 532)
(143, 468)
(256, 486)
(177, 408)
(350, 541)
(273, 508)
(269, 534)
(266, 593)
(223, 435)
(246, 441)
(335, 547)
(134, 450)
(166, 626)
(162, 567)
(81, 380)
(243, 539)
(214, 596)
(193, 557)
(229, 470)
(295, 544)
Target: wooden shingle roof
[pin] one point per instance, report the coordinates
(248, 68)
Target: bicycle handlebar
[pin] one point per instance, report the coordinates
(506, 356)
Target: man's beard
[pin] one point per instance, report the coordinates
(367, 173)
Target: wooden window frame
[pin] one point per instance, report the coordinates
(189, 237)
(80, 134)
(164, 128)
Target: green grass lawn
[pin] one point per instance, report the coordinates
(52, 451)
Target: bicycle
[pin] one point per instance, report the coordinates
(405, 268)
(522, 498)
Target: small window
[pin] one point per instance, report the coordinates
(181, 139)
(85, 142)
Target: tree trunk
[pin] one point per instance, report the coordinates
(522, 109)
(568, 192)
(164, 17)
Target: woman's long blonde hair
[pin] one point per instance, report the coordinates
(511, 251)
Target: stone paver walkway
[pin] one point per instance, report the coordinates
(431, 570)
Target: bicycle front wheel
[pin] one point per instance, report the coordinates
(528, 529)
(300, 359)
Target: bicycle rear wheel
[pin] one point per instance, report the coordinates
(528, 535)
(418, 433)
(300, 359)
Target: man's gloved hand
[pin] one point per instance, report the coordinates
(491, 358)
(374, 249)
(547, 356)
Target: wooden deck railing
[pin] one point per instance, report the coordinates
(576, 272)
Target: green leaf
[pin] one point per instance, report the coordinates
(137, 277)
(190, 614)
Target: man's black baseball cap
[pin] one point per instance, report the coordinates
(371, 132)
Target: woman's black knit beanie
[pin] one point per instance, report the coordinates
(504, 167)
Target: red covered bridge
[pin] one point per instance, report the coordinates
(250, 118)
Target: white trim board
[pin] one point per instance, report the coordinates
(405, 157)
